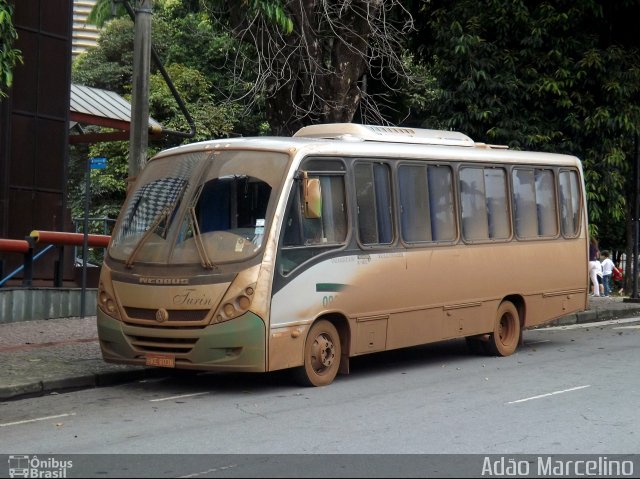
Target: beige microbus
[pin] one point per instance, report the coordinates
(260, 254)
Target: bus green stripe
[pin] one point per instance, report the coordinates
(329, 287)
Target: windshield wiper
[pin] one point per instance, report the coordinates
(164, 214)
(197, 237)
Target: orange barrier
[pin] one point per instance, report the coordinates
(73, 239)
(15, 246)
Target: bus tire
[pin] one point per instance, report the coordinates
(506, 331)
(322, 353)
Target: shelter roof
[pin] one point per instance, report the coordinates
(94, 106)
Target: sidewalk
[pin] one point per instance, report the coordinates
(44, 356)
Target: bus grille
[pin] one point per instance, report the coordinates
(175, 315)
(163, 345)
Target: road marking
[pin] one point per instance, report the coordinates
(209, 471)
(590, 325)
(152, 380)
(26, 421)
(178, 397)
(550, 394)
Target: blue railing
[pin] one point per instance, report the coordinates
(21, 268)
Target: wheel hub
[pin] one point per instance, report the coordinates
(324, 353)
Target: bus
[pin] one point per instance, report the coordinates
(268, 253)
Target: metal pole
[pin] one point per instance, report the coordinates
(85, 239)
(139, 134)
(636, 214)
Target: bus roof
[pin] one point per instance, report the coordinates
(388, 134)
(350, 139)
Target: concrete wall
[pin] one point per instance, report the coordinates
(21, 304)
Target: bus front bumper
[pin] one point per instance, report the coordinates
(235, 345)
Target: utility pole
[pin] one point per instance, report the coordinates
(636, 215)
(139, 137)
(633, 298)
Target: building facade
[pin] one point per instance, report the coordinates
(34, 124)
(85, 35)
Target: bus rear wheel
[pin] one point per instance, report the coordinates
(321, 355)
(506, 331)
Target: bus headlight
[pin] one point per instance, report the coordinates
(106, 302)
(235, 306)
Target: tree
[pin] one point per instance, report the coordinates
(9, 56)
(313, 59)
(193, 54)
(558, 76)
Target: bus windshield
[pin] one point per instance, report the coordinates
(201, 207)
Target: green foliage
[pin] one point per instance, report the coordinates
(540, 76)
(212, 119)
(410, 102)
(9, 56)
(110, 64)
(194, 55)
(107, 186)
(273, 11)
(104, 10)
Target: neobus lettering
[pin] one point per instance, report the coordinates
(164, 281)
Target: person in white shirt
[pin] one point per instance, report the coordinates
(598, 289)
(607, 270)
(594, 265)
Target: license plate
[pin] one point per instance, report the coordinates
(161, 361)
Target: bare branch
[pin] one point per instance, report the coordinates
(318, 72)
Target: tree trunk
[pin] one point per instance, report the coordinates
(313, 74)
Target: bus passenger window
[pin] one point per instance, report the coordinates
(569, 203)
(473, 204)
(546, 203)
(534, 203)
(483, 199)
(415, 214)
(426, 203)
(443, 223)
(495, 180)
(373, 198)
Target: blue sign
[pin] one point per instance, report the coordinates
(98, 163)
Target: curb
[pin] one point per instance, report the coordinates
(592, 316)
(87, 381)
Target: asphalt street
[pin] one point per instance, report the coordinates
(45, 356)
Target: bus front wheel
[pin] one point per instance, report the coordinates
(322, 353)
(506, 331)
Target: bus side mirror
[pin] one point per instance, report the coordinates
(312, 197)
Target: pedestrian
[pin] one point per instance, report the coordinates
(598, 268)
(618, 279)
(607, 271)
(594, 266)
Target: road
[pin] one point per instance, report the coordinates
(568, 390)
